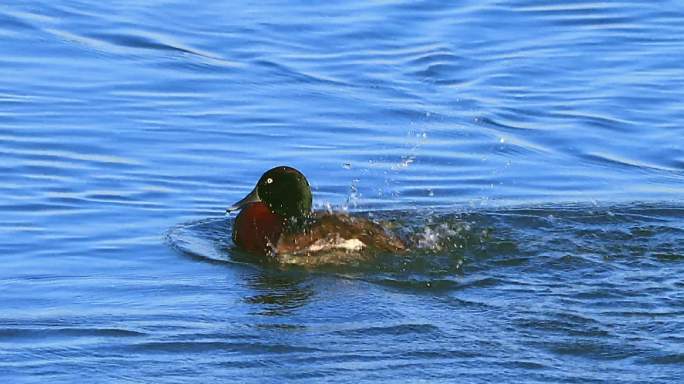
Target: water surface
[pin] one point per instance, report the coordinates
(535, 150)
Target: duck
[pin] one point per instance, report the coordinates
(276, 223)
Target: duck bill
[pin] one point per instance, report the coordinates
(252, 197)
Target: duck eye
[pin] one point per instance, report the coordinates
(269, 181)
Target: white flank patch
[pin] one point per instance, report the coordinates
(346, 244)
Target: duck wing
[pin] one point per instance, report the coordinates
(340, 234)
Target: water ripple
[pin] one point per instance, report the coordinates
(530, 152)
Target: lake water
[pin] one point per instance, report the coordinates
(534, 150)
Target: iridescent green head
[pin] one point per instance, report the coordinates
(285, 191)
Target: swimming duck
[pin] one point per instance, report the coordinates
(276, 221)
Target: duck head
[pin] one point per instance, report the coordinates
(286, 193)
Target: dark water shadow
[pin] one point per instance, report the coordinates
(279, 293)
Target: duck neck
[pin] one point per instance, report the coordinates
(296, 223)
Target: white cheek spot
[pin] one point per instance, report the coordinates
(269, 180)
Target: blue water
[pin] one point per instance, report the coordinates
(534, 150)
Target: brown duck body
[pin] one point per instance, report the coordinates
(336, 239)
